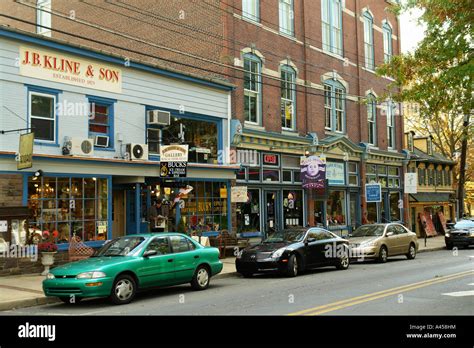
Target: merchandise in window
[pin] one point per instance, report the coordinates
(394, 209)
(293, 208)
(248, 213)
(336, 208)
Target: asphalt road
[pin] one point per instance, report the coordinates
(435, 283)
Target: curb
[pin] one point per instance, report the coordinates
(27, 303)
(227, 275)
(431, 249)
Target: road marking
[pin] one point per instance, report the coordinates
(460, 293)
(379, 294)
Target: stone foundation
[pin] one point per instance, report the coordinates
(17, 266)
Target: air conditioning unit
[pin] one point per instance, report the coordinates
(78, 147)
(101, 141)
(158, 117)
(137, 152)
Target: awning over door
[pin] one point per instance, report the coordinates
(429, 197)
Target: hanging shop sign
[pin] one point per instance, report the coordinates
(173, 169)
(58, 67)
(373, 193)
(239, 194)
(313, 172)
(335, 173)
(25, 151)
(411, 180)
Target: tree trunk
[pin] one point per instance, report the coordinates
(462, 169)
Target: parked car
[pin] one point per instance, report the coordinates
(290, 252)
(461, 234)
(127, 264)
(379, 241)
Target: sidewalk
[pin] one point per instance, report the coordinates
(26, 290)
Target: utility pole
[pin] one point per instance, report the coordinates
(462, 169)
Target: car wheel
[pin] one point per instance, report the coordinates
(201, 278)
(68, 300)
(343, 262)
(292, 267)
(383, 254)
(124, 290)
(411, 252)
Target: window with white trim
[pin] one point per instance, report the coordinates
(334, 106)
(43, 17)
(250, 9)
(387, 42)
(42, 109)
(390, 124)
(372, 119)
(368, 40)
(287, 17)
(252, 89)
(332, 26)
(288, 98)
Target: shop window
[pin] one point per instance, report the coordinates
(201, 136)
(254, 174)
(353, 174)
(43, 116)
(292, 208)
(69, 206)
(241, 174)
(287, 174)
(252, 89)
(248, 213)
(394, 209)
(297, 176)
(287, 17)
(271, 175)
(101, 119)
(336, 208)
(371, 212)
(288, 98)
(250, 9)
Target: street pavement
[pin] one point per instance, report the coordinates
(435, 283)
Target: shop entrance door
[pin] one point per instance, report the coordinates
(118, 213)
(272, 212)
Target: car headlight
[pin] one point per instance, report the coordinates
(50, 276)
(90, 275)
(278, 253)
(368, 244)
(447, 234)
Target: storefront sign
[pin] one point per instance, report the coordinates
(173, 169)
(411, 180)
(63, 68)
(239, 194)
(174, 153)
(25, 158)
(373, 193)
(335, 173)
(270, 159)
(313, 172)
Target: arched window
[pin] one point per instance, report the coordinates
(368, 40)
(252, 88)
(332, 26)
(334, 106)
(288, 98)
(387, 42)
(372, 119)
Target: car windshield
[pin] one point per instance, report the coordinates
(119, 247)
(464, 224)
(369, 231)
(286, 236)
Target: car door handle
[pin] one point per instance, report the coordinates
(196, 256)
(170, 260)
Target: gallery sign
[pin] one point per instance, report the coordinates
(174, 153)
(63, 68)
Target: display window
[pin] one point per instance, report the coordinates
(293, 208)
(248, 213)
(336, 208)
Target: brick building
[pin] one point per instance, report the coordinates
(303, 71)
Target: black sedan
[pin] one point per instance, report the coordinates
(461, 235)
(290, 252)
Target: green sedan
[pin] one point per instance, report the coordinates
(126, 264)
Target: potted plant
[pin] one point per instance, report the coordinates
(48, 249)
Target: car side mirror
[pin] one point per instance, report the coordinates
(149, 253)
(310, 240)
(389, 234)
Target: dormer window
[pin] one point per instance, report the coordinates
(410, 142)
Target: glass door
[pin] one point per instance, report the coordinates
(272, 211)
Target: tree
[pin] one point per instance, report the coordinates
(438, 75)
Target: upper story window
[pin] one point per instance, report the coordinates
(390, 109)
(252, 89)
(387, 42)
(287, 17)
(410, 143)
(332, 26)
(429, 146)
(101, 121)
(251, 9)
(372, 119)
(368, 40)
(334, 106)
(43, 115)
(43, 17)
(288, 98)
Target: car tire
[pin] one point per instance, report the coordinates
(201, 278)
(123, 290)
(67, 300)
(411, 252)
(383, 254)
(292, 267)
(343, 262)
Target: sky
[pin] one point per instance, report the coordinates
(411, 33)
